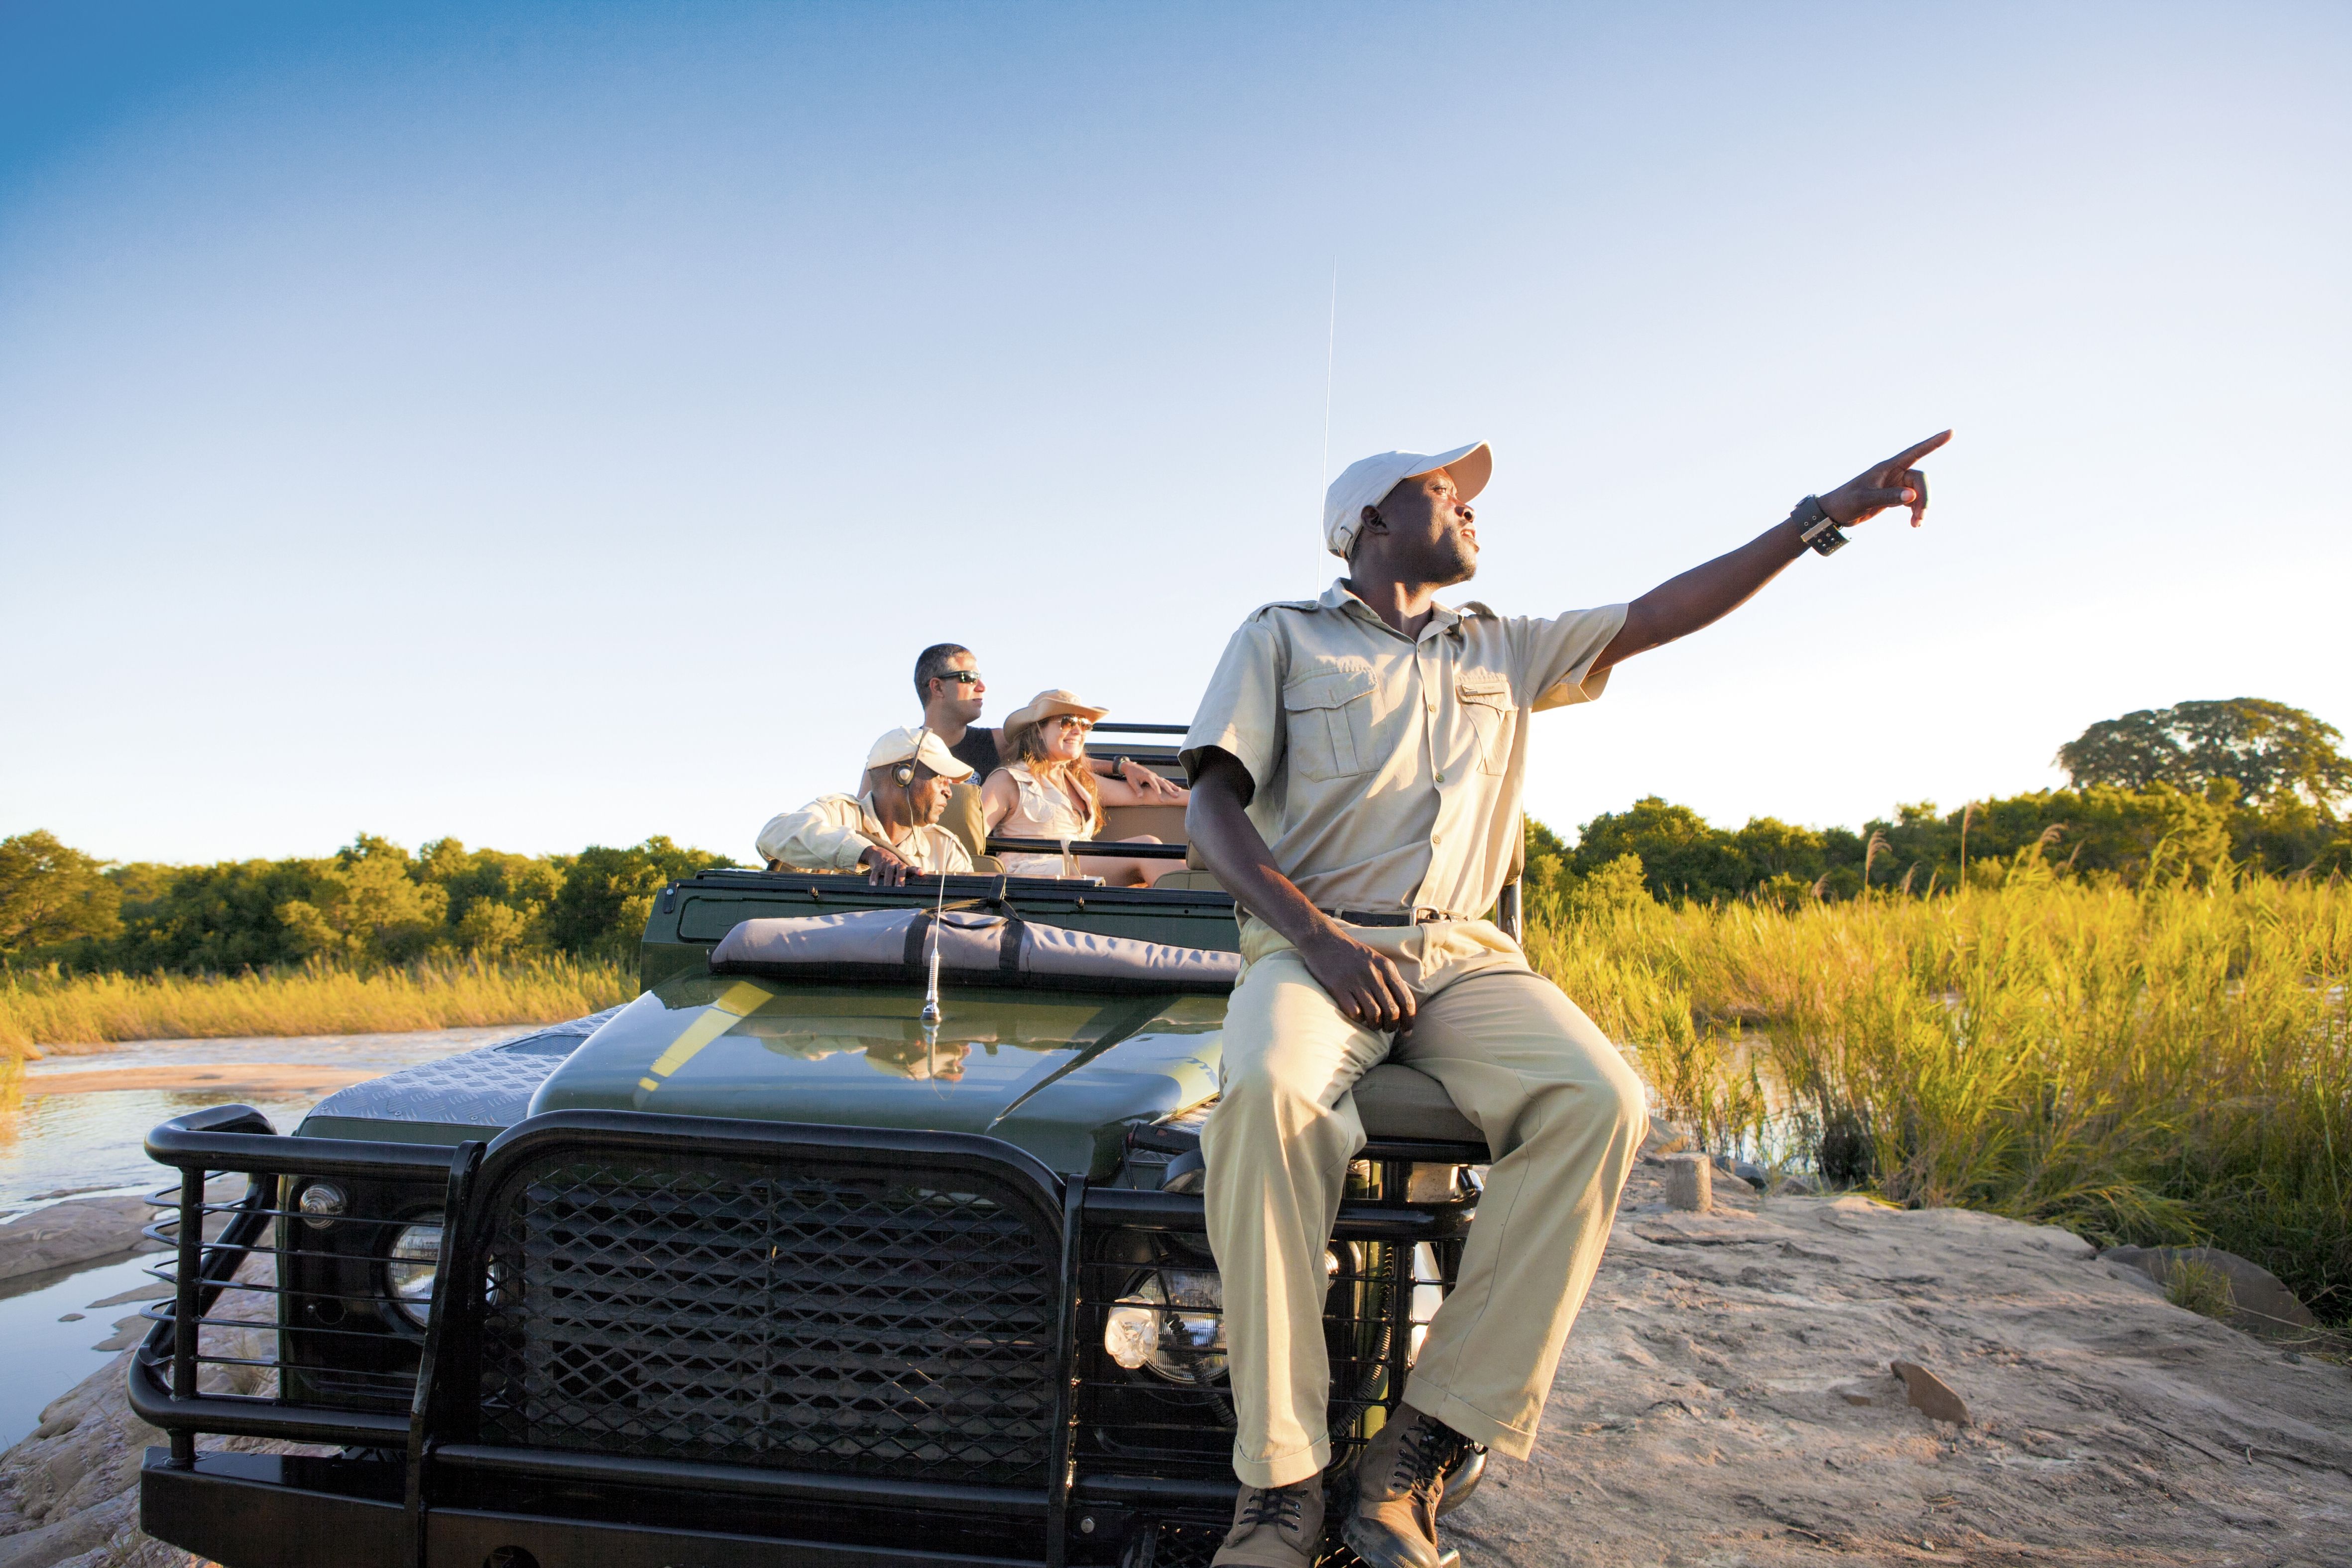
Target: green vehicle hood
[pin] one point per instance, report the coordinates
(1059, 1073)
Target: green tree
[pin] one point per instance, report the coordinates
(368, 908)
(498, 902)
(51, 894)
(206, 918)
(1770, 849)
(1681, 855)
(607, 893)
(1612, 888)
(1547, 857)
(2270, 751)
(2128, 753)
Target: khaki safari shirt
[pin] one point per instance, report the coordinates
(830, 832)
(1386, 770)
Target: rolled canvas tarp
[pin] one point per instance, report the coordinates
(894, 945)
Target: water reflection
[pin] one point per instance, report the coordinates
(77, 1142)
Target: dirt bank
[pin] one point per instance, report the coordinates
(1725, 1401)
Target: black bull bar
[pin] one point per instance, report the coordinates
(439, 1482)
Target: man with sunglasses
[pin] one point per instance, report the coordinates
(948, 683)
(1355, 768)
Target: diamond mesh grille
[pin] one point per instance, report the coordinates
(747, 1312)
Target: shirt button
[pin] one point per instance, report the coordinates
(1441, 776)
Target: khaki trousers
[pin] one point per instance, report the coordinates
(1563, 1116)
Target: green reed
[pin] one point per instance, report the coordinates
(2168, 1063)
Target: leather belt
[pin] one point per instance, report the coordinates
(1391, 916)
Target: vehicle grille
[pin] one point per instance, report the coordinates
(1175, 1544)
(787, 1317)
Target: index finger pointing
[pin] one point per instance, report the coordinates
(1909, 455)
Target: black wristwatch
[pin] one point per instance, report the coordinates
(1117, 762)
(1820, 533)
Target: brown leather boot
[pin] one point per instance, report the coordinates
(1399, 1481)
(1274, 1527)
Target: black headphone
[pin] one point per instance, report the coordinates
(903, 775)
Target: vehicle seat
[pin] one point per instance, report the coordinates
(1394, 1101)
(964, 819)
(1165, 823)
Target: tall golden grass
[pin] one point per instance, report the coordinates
(2170, 1063)
(43, 1011)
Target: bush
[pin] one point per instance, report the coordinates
(2199, 1287)
(608, 893)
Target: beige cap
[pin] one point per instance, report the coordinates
(1364, 482)
(898, 745)
(1043, 706)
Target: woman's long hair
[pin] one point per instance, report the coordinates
(1077, 778)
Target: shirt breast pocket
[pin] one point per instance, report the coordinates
(1494, 717)
(1330, 719)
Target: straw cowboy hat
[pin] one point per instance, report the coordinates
(1043, 706)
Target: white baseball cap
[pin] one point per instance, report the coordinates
(1362, 484)
(923, 746)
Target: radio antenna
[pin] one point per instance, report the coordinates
(1323, 478)
(931, 995)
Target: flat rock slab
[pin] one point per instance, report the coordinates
(76, 1231)
(83, 1231)
(1727, 1399)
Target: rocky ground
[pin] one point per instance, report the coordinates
(1727, 1400)
(69, 1492)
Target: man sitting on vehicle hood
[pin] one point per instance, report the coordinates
(892, 829)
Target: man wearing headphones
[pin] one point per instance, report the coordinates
(892, 830)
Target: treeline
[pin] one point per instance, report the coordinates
(371, 903)
(2097, 832)
(2241, 784)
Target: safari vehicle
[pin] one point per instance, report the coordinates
(763, 1269)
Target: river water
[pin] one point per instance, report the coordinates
(89, 1139)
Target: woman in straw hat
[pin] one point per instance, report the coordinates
(1047, 791)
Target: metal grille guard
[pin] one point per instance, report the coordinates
(446, 1430)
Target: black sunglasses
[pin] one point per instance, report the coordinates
(961, 677)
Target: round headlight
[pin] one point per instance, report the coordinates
(415, 1258)
(1174, 1323)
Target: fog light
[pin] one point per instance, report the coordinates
(1173, 1324)
(323, 1203)
(409, 1276)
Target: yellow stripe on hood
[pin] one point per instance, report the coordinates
(736, 1003)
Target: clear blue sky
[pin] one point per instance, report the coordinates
(555, 424)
